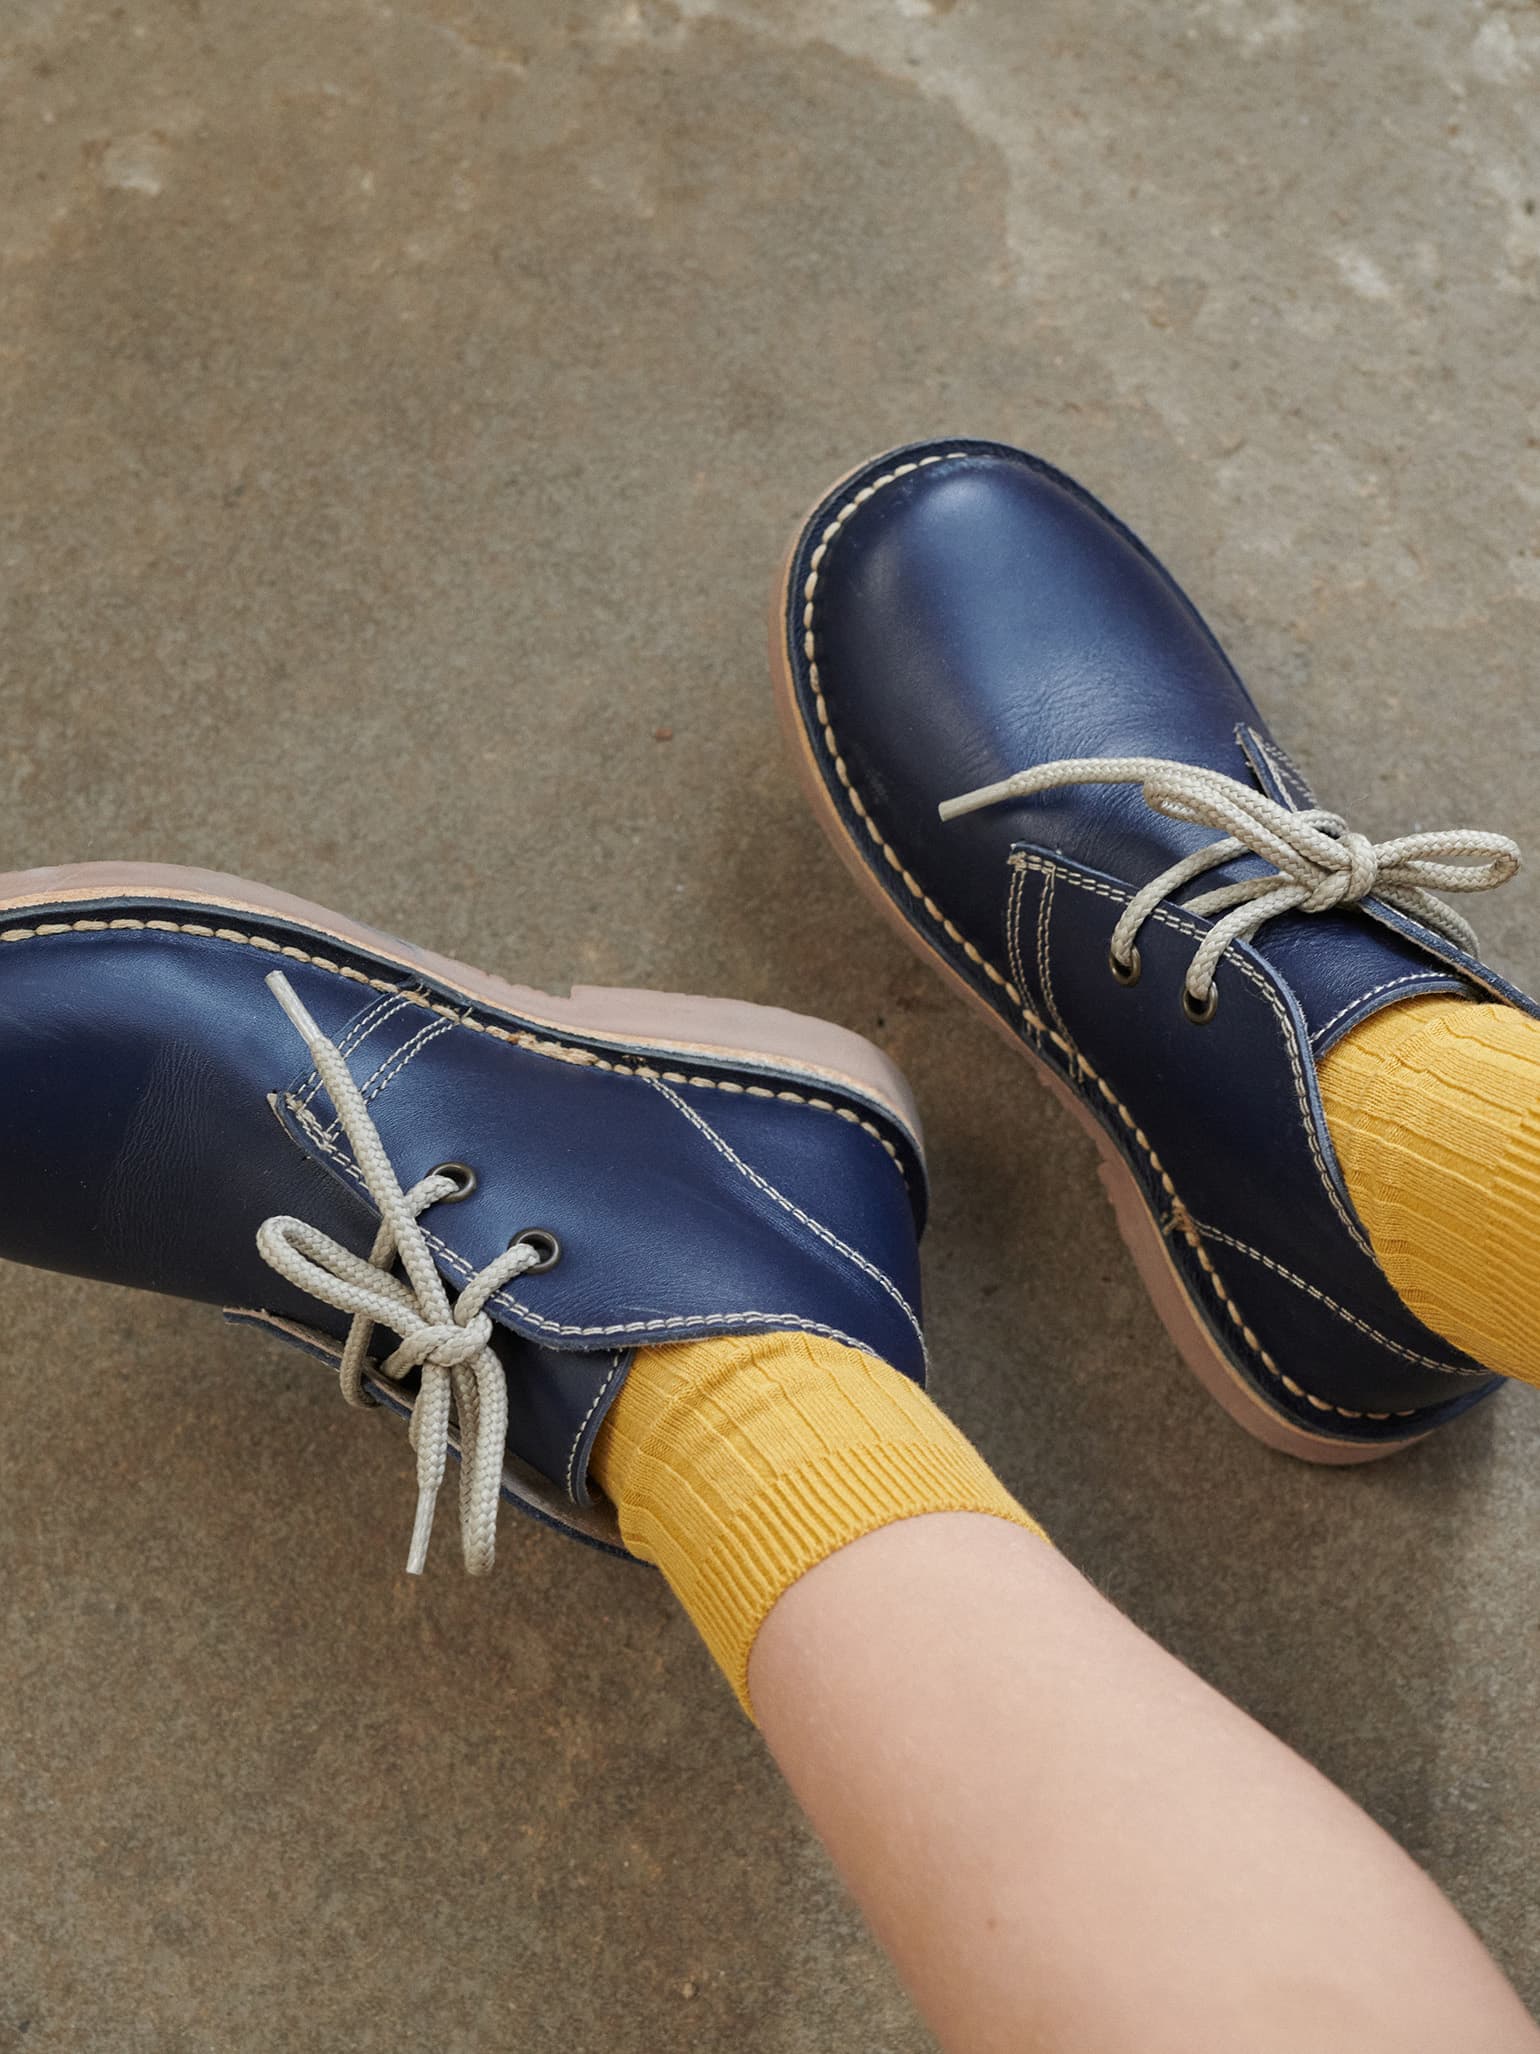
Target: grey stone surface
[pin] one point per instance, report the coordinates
(404, 407)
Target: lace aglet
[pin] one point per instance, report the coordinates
(971, 802)
(422, 1527)
(304, 1026)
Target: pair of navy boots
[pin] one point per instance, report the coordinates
(476, 1201)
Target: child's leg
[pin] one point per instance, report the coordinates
(1063, 1838)
(1066, 1841)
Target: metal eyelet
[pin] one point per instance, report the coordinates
(1200, 1015)
(1129, 972)
(543, 1240)
(459, 1174)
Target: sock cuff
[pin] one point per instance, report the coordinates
(805, 1516)
(1434, 1111)
(739, 1465)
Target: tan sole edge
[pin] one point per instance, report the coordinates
(1141, 1236)
(650, 1022)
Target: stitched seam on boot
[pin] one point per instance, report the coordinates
(771, 1322)
(1119, 896)
(524, 1038)
(577, 1440)
(1191, 1230)
(367, 1024)
(1432, 978)
(816, 1227)
(1013, 946)
(1044, 965)
(1313, 1291)
(1012, 988)
(889, 854)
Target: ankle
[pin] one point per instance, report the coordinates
(737, 1465)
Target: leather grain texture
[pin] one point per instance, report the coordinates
(157, 1110)
(958, 611)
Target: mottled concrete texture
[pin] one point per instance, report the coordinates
(404, 407)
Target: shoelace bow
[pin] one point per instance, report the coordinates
(463, 1384)
(1318, 861)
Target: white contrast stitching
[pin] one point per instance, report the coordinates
(770, 1321)
(392, 1065)
(374, 1016)
(369, 1083)
(1044, 974)
(1120, 896)
(1288, 774)
(389, 1071)
(598, 1400)
(1014, 989)
(1013, 938)
(533, 1044)
(1341, 1311)
(1390, 984)
(890, 855)
(1182, 1219)
(824, 1234)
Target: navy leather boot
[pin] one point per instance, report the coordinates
(1033, 753)
(214, 1090)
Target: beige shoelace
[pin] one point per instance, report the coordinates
(1318, 861)
(462, 1380)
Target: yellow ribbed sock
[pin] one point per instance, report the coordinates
(1434, 1111)
(737, 1465)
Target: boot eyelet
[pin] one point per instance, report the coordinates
(461, 1175)
(546, 1245)
(1200, 1012)
(1126, 972)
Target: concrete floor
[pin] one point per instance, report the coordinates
(404, 407)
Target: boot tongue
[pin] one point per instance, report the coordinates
(1273, 769)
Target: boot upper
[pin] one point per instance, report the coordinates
(157, 1108)
(960, 612)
